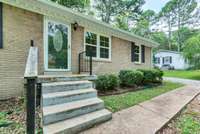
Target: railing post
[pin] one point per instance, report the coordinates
(90, 65)
(31, 105)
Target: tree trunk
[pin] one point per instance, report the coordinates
(179, 26)
(169, 33)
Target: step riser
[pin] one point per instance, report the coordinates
(64, 99)
(84, 126)
(72, 113)
(62, 88)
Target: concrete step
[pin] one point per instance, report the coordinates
(60, 78)
(72, 109)
(67, 96)
(65, 86)
(77, 124)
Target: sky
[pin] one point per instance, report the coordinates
(155, 5)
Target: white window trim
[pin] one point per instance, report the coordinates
(97, 58)
(140, 54)
(45, 37)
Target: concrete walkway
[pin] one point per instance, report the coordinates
(150, 116)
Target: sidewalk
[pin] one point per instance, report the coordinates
(150, 116)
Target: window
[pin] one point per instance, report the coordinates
(104, 47)
(157, 60)
(167, 60)
(91, 44)
(136, 53)
(97, 46)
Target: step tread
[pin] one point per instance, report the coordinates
(65, 83)
(69, 123)
(66, 76)
(68, 93)
(47, 110)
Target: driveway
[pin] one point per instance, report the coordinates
(184, 81)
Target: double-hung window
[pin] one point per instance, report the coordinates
(137, 54)
(97, 46)
(91, 44)
(104, 47)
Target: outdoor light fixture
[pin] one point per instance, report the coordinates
(75, 25)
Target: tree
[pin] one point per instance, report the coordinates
(183, 10)
(167, 14)
(110, 9)
(178, 14)
(182, 34)
(161, 38)
(191, 51)
(122, 22)
(78, 5)
(142, 27)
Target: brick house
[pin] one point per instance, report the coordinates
(61, 34)
(66, 41)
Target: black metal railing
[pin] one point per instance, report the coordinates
(31, 75)
(85, 63)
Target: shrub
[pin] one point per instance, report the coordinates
(151, 75)
(107, 82)
(130, 77)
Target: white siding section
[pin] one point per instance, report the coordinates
(177, 61)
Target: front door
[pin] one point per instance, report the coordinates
(57, 46)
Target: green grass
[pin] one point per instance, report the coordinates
(122, 101)
(189, 74)
(3, 120)
(189, 125)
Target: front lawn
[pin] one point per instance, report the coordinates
(13, 117)
(122, 101)
(187, 122)
(186, 74)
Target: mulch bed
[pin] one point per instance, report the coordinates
(122, 90)
(15, 116)
(193, 108)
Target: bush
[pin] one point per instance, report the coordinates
(106, 82)
(130, 77)
(151, 75)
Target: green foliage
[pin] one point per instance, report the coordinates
(189, 125)
(151, 75)
(112, 8)
(185, 74)
(161, 38)
(183, 34)
(191, 51)
(177, 13)
(3, 121)
(107, 82)
(74, 4)
(130, 77)
(122, 22)
(142, 27)
(122, 101)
